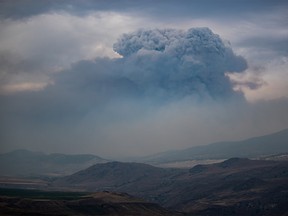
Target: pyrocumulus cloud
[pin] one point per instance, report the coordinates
(169, 62)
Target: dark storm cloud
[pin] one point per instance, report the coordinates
(26, 8)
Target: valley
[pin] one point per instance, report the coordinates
(33, 183)
(236, 186)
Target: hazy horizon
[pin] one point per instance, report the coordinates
(125, 78)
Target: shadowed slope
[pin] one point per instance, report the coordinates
(101, 203)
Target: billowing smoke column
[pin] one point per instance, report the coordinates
(174, 63)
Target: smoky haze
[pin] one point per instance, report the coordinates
(168, 90)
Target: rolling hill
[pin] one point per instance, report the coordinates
(119, 176)
(236, 186)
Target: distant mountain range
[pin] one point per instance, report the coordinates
(233, 187)
(29, 163)
(271, 144)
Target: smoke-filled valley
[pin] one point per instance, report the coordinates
(208, 184)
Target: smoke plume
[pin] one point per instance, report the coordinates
(175, 63)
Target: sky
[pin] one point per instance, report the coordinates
(133, 78)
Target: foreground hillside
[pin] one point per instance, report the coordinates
(25, 202)
(233, 187)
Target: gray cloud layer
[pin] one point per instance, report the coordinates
(26, 8)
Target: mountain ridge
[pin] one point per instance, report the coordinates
(269, 144)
